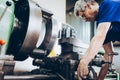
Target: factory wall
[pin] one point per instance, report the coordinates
(56, 6)
(82, 28)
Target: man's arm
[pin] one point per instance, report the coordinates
(95, 45)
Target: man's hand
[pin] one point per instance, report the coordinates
(82, 69)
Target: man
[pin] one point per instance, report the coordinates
(107, 15)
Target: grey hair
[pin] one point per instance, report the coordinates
(80, 5)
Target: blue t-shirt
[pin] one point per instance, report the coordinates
(109, 11)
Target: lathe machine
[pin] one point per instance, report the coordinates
(29, 30)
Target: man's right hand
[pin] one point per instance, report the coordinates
(82, 69)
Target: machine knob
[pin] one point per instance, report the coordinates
(2, 42)
(8, 3)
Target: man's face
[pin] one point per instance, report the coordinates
(89, 14)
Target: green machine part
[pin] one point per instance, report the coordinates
(6, 22)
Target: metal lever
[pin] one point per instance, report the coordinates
(8, 3)
(2, 42)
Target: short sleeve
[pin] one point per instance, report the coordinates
(109, 11)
